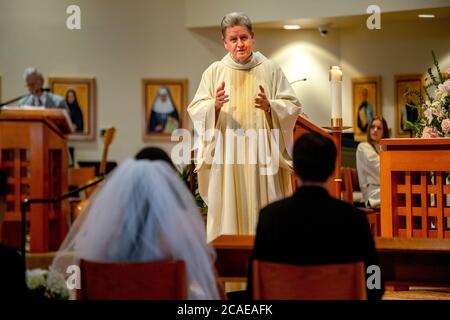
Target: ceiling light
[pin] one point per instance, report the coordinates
(291, 27)
(426, 16)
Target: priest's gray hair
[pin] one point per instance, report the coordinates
(235, 19)
(31, 71)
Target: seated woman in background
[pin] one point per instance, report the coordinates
(142, 213)
(368, 162)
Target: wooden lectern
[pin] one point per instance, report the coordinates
(415, 198)
(33, 151)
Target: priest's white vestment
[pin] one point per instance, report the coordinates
(248, 163)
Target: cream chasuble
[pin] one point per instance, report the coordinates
(251, 167)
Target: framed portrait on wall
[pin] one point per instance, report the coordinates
(366, 97)
(165, 102)
(405, 105)
(79, 94)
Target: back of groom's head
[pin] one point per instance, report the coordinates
(314, 157)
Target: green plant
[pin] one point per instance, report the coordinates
(190, 179)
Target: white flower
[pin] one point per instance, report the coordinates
(436, 104)
(438, 111)
(428, 113)
(57, 284)
(36, 278)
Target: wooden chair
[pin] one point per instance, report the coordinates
(157, 280)
(78, 177)
(108, 138)
(351, 184)
(279, 281)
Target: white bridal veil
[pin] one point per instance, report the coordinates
(143, 212)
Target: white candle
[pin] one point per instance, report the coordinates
(336, 92)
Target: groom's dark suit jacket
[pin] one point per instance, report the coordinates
(311, 227)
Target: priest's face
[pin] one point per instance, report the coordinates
(239, 42)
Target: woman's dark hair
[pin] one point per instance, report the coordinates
(385, 131)
(154, 153)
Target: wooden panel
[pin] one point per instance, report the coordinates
(402, 261)
(413, 187)
(35, 172)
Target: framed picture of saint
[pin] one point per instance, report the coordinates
(165, 102)
(80, 97)
(366, 97)
(406, 105)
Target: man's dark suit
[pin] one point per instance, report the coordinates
(311, 227)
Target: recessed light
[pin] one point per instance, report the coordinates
(426, 16)
(291, 27)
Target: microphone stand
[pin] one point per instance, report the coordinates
(22, 96)
(12, 100)
(298, 80)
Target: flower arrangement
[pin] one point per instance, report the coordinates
(47, 284)
(434, 111)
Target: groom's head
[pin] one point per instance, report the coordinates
(314, 157)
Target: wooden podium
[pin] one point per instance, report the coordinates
(33, 151)
(415, 197)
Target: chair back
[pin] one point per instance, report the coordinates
(157, 280)
(351, 183)
(280, 281)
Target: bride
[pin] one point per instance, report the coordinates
(143, 212)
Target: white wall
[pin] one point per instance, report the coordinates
(282, 10)
(396, 49)
(122, 42)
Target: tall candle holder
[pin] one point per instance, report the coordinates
(336, 128)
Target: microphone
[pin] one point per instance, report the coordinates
(298, 80)
(18, 98)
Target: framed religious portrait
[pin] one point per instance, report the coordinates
(366, 97)
(165, 103)
(406, 105)
(79, 94)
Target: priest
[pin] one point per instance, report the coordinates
(244, 113)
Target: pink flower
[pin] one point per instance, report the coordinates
(445, 125)
(428, 113)
(438, 112)
(445, 87)
(428, 133)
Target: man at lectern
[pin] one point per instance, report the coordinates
(38, 96)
